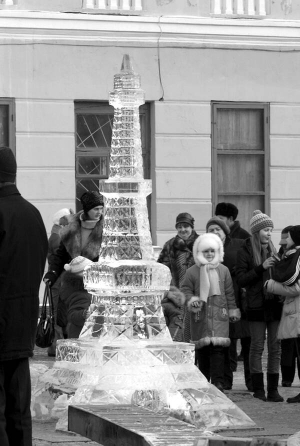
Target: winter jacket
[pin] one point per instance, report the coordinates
(172, 249)
(251, 277)
(238, 329)
(237, 232)
(173, 308)
(70, 246)
(212, 325)
(76, 300)
(289, 326)
(23, 252)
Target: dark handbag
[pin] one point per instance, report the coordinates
(45, 330)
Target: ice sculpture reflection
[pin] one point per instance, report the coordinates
(125, 353)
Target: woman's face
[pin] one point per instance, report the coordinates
(95, 213)
(184, 230)
(289, 242)
(216, 229)
(265, 235)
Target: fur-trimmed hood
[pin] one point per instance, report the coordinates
(71, 238)
(206, 241)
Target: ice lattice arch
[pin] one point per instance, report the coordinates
(125, 353)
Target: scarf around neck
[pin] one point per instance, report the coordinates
(209, 278)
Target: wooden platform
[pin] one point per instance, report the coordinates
(117, 425)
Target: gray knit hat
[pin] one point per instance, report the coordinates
(260, 221)
(218, 221)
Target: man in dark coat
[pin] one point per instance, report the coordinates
(229, 212)
(23, 251)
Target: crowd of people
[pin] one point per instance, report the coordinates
(226, 285)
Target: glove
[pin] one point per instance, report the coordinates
(50, 277)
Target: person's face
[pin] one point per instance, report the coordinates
(95, 213)
(228, 220)
(209, 254)
(289, 242)
(184, 230)
(265, 235)
(216, 229)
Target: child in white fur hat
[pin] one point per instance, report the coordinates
(211, 302)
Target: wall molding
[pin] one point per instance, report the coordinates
(16, 28)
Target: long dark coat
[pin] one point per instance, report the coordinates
(76, 300)
(23, 251)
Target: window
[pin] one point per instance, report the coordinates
(7, 127)
(94, 123)
(240, 157)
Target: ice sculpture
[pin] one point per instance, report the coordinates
(125, 353)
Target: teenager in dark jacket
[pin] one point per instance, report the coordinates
(23, 251)
(263, 309)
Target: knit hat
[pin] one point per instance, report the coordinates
(218, 221)
(77, 265)
(57, 216)
(260, 221)
(90, 200)
(295, 234)
(185, 217)
(8, 165)
(284, 235)
(227, 210)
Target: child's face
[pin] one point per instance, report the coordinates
(209, 254)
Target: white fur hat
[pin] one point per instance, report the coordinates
(61, 213)
(206, 241)
(78, 264)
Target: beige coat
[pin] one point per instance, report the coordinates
(289, 326)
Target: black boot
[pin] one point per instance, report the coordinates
(273, 394)
(258, 386)
(295, 399)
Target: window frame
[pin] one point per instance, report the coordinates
(93, 107)
(215, 106)
(10, 102)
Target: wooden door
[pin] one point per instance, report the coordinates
(240, 157)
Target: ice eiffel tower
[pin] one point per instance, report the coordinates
(125, 353)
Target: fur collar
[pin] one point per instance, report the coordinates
(71, 238)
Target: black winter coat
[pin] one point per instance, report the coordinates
(251, 277)
(23, 252)
(237, 232)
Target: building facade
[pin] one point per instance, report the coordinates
(222, 115)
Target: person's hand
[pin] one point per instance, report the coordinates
(198, 304)
(269, 262)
